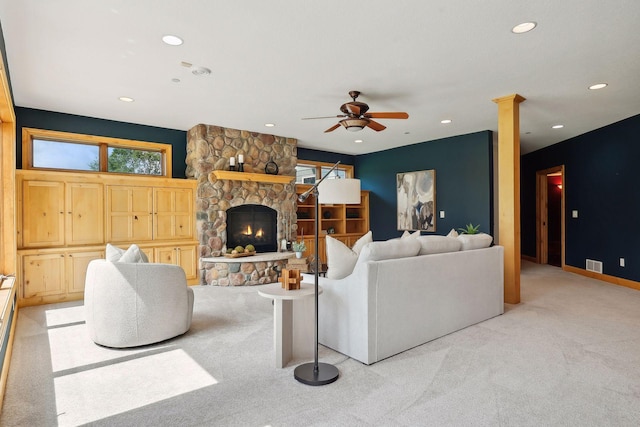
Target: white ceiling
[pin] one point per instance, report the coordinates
(281, 60)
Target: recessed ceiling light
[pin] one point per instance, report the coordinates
(358, 141)
(126, 99)
(557, 126)
(598, 86)
(445, 121)
(201, 71)
(172, 40)
(525, 27)
(269, 125)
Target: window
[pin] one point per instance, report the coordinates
(43, 149)
(307, 172)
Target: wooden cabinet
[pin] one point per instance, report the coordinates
(56, 213)
(76, 264)
(42, 205)
(141, 214)
(183, 255)
(346, 223)
(49, 273)
(65, 218)
(173, 213)
(43, 275)
(84, 219)
(129, 213)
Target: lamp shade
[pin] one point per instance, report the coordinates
(339, 191)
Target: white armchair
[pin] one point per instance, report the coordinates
(134, 304)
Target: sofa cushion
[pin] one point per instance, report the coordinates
(132, 254)
(340, 258)
(475, 241)
(390, 249)
(438, 244)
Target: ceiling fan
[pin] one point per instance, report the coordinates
(357, 116)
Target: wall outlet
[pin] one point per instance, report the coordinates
(574, 214)
(441, 214)
(621, 262)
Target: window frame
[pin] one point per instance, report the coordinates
(348, 169)
(103, 143)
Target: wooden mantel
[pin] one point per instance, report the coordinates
(254, 177)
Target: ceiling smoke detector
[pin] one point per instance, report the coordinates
(201, 71)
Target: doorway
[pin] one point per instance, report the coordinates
(550, 213)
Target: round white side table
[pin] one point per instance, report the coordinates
(283, 317)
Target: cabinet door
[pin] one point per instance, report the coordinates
(43, 275)
(184, 256)
(173, 213)
(76, 264)
(42, 213)
(310, 243)
(129, 213)
(84, 219)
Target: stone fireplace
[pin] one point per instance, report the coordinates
(209, 149)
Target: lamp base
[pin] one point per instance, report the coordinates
(306, 374)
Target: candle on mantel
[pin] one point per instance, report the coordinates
(240, 158)
(232, 161)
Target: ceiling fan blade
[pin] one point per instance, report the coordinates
(332, 128)
(324, 117)
(388, 115)
(376, 126)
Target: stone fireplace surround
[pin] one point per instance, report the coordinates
(209, 148)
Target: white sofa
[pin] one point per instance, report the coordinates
(389, 306)
(133, 304)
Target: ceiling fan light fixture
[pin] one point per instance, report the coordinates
(354, 124)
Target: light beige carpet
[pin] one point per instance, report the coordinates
(568, 355)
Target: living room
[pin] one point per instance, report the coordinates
(599, 174)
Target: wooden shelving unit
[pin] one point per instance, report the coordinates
(348, 222)
(254, 177)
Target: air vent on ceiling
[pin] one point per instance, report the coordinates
(595, 266)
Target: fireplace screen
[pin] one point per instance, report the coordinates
(252, 224)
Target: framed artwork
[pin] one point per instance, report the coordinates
(416, 200)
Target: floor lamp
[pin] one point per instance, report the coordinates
(338, 191)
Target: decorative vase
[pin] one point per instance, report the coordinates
(298, 255)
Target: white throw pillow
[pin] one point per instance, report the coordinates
(434, 244)
(340, 258)
(390, 249)
(133, 254)
(452, 233)
(113, 253)
(475, 241)
(406, 234)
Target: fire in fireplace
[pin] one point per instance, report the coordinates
(253, 224)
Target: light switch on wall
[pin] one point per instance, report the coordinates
(441, 214)
(574, 214)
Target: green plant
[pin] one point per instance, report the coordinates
(299, 246)
(470, 229)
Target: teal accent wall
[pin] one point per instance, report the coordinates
(464, 180)
(601, 183)
(464, 189)
(49, 120)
